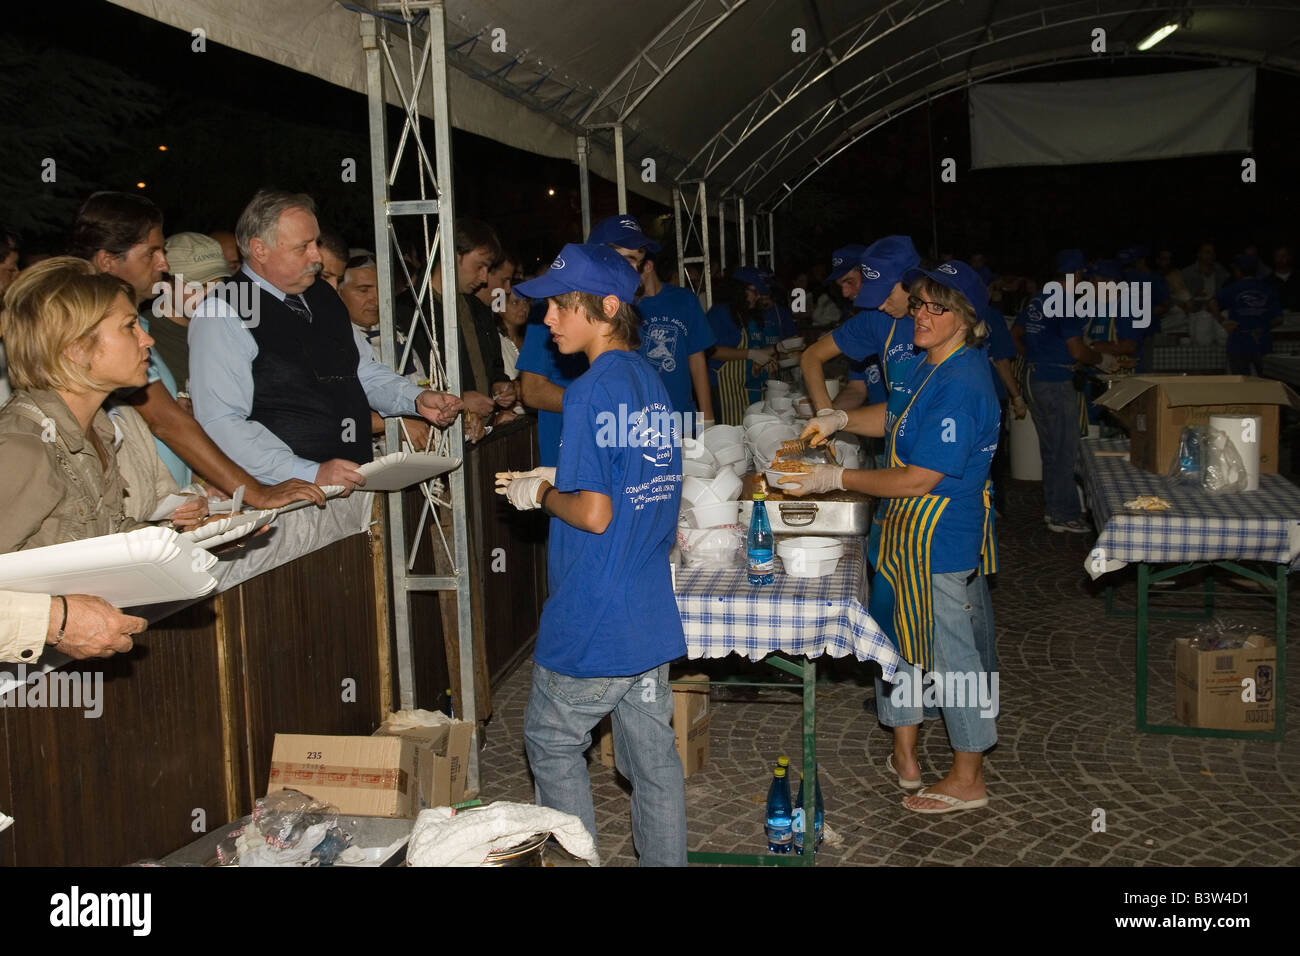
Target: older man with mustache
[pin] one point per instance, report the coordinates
(278, 375)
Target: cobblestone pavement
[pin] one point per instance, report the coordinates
(1067, 747)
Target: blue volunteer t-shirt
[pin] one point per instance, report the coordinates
(611, 610)
(999, 345)
(868, 370)
(1045, 338)
(872, 332)
(673, 328)
(779, 323)
(1252, 304)
(540, 356)
(950, 427)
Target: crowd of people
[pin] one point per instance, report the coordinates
(143, 364)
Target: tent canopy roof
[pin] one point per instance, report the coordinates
(726, 90)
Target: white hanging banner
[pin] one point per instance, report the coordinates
(1192, 113)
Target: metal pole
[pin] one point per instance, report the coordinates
(704, 241)
(722, 235)
(677, 228)
(378, 119)
(447, 231)
(740, 227)
(620, 171)
(584, 186)
(771, 242)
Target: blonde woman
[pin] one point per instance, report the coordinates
(935, 530)
(73, 338)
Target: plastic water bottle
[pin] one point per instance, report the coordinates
(778, 822)
(758, 545)
(799, 819)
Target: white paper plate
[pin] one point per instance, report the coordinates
(145, 566)
(228, 529)
(331, 491)
(402, 469)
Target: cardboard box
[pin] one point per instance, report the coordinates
(362, 776)
(1155, 409)
(1209, 685)
(690, 726)
(442, 761)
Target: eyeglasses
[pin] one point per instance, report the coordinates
(934, 308)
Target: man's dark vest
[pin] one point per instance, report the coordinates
(305, 385)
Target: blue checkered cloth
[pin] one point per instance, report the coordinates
(804, 617)
(1261, 525)
(1205, 358)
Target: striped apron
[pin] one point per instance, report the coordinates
(902, 599)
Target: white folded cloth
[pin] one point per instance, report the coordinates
(466, 839)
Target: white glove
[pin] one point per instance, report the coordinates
(1108, 363)
(522, 488)
(821, 478)
(760, 357)
(825, 424)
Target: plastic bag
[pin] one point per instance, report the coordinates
(1207, 459)
(1216, 635)
(712, 548)
(287, 828)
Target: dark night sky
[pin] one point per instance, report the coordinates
(220, 150)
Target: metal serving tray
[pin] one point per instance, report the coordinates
(815, 516)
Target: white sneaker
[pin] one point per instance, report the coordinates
(1073, 526)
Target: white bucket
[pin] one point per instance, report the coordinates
(1026, 462)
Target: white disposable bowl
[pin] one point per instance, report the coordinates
(725, 487)
(774, 478)
(756, 407)
(790, 344)
(716, 436)
(776, 387)
(848, 454)
(741, 467)
(758, 418)
(714, 516)
(780, 403)
(729, 454)
(809, 557)
(790, 362)
(697, 469)
(693, 450)
(832, 387)
(769, 431)
(698, 491)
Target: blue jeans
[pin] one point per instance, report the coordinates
(1056, 419)
(563, 710)
(967, 688)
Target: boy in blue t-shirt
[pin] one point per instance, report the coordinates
(610, 624)
(1252, 305)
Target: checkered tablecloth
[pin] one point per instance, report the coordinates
(1261, 525)
(723, 614)
(1284, 368)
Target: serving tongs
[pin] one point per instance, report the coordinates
(801, 449)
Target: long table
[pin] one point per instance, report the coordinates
(786, 625)
(1200, 530)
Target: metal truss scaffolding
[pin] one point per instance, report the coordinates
(405, 45)
(691, 216)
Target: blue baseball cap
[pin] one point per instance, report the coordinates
(883, 265)
(1247, 264)
(1107, 269)
(752, 276)
(1070, 260)
(597, 269)
(622, 231)
(844, 260)
(958, 276)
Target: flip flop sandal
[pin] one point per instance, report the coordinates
(903, 782)
(953, 804)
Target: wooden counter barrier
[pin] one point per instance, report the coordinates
(183, 742)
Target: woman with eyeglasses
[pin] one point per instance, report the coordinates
(940, 424)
